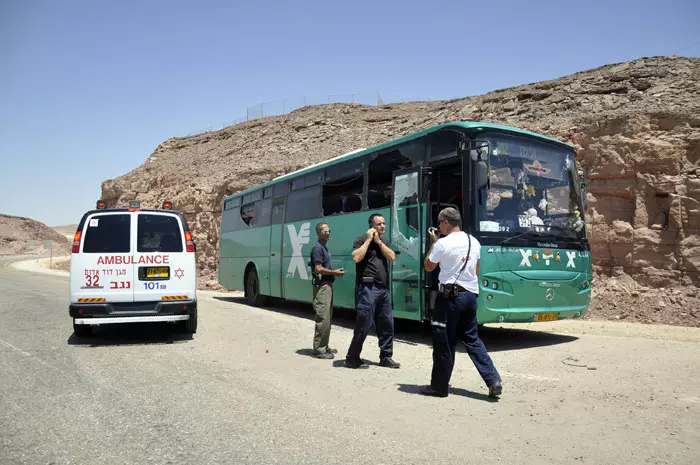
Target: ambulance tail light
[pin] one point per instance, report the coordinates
(189, 244)
(167, 205)
(76, 242)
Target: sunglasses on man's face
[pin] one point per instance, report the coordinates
(325, 231)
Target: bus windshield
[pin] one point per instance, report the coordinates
(533, 187)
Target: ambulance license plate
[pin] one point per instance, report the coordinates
(546, 316)
(157, 272)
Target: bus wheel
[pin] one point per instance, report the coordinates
(252, 288)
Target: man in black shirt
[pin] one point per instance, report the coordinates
(372, 254)
(322, 277)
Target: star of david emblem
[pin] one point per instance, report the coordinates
(179, 273)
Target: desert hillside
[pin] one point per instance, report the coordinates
(20, 236)
(67, 230)
(636, 127)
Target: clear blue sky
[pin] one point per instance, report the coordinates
(88, 89)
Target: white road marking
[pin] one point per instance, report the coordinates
(27, 354)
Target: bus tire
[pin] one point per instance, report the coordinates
(252, 288)
(82, 330)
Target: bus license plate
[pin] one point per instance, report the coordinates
(546, 316)
(152, 272)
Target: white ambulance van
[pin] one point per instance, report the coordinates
(133, 265)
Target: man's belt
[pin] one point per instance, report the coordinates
(367, 280)
(459, 288)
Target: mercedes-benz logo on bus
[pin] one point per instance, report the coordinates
(549, 294)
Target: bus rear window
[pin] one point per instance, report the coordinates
(158, 233)
(108, 234)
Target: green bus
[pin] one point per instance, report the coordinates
(519, 194)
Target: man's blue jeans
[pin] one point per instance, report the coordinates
(373, 306)
(455, 319)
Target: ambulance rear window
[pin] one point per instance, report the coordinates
(108, 234)
(159, 233)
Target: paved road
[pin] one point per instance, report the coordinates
(575, 392)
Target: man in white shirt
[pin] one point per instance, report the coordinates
(454, 315)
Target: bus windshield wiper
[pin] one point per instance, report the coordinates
(522, 234)
(567, 234)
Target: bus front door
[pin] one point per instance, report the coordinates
(405, 228)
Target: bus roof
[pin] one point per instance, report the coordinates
(361, 152)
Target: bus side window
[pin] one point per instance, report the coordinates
(278, 211)
(263, 210)
(342, 190)
(303, 204)
(248, 214)
(381, 172)
(443, 144)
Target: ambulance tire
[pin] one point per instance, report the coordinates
(190, 326)
(252, 288)
(82, 330)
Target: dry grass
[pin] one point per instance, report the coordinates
(62, 264)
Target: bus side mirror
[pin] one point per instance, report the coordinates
(476, 150)
(482, 174)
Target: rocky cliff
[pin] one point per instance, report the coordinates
(635, 125)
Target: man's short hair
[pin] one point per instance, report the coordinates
(318, 227)
(372, 217)
(451, 215)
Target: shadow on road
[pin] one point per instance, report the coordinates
(416, 332)
(131, 334)
(415, 389)
(341, 316)
(308, 352)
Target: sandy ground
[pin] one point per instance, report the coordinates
(245, 390)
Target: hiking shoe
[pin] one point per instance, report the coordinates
(389, 363)
(495, 390)
(331, 351)
(356, 364)
(325, 355)
(429, 391)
